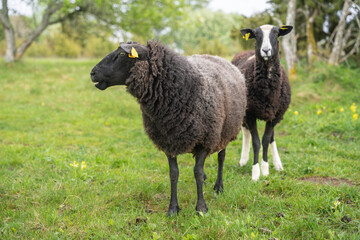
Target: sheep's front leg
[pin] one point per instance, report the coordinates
(174, 175)
(256, 147)
(219, 181)
(269, 131)
(199, 177)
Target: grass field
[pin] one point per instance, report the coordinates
(75, 163)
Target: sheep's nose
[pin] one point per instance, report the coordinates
(265, 50)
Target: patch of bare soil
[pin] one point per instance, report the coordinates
(328, 181)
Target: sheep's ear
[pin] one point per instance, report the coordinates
(134, 50)
(247, 33)
(285, 29)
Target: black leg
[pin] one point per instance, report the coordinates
(219, 188)
(251, 123)
(174, 175)
(255, 139)
(199, 177)
(266, 139)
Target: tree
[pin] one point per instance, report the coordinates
(289, 41)
(55, 12)
(342, 37)
(310, 10)
(143, 18)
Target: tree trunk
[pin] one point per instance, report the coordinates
(9, 33)
(337, 47)
(289, 41)
(310, 37)
(10, 45)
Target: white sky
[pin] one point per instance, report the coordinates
(245, 7)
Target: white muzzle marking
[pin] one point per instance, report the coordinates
(266, 48)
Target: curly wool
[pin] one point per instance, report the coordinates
(268, 88)
(188, 102)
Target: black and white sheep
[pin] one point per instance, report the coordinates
(189, 104)
(268, 94)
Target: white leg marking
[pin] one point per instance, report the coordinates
(276, 158)
(264, 168)
(245, 147)
(255, 172)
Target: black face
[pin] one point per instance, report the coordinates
(114, 69)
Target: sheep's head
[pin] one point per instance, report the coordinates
(267, 44)
(114, 69)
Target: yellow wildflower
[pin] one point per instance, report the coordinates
(355, 116)
(336, 203)
(353, 107)
(341, 109)
(74, 164)
(106, 123)
(83, 165)
(296, 113)
(324, 107)
(319, 111)
(42, 104)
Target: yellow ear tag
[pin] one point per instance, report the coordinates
(283, 27)
(247, 35)
(133, 53)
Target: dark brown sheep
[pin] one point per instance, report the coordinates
(268, 93)
(189, 104)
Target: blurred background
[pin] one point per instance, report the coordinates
(324, 30)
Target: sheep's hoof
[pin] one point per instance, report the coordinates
(219, 188)
(243, 162)
(264, 168)
(201, 209)
(173, 211)
(255, 172)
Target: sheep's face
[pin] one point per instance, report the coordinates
(267, 44)
(114, 69)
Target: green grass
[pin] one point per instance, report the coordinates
(51, 115)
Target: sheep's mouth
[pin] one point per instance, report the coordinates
(101, 85)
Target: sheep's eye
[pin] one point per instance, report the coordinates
(122, 54)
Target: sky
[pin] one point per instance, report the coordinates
(245, 7)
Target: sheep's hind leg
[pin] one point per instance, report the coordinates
(245, 146)
(269, 130)
(276, 158)
(174, 175)
(219, 187)
(199, 177)
(256, 148)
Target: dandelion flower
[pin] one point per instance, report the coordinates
(83, 165)
(74, 164)
(296, 113)
(336, 204)
(341, 109)
(319, 111)
(353, 107)
(106, 123)
(355, 116)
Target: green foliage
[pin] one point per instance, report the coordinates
(51, 115)
(206, 32)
